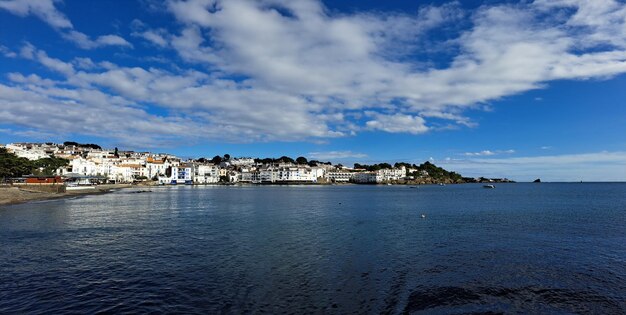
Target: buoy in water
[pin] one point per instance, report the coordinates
(423, 216)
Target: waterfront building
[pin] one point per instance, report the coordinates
(339, 176)
(179, 175)
(367, 177)
(156, 167)
(285, 174)
(392, 174)
(206, 174)
(84, 167)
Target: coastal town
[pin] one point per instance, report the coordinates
(89, 164)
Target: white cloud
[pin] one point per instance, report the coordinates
(88, 112)
(84, 63)
(43, 9)
(83, 41)
(306, 73)
(481, 153)
(46, 11)
(112, 40)
(30, 79)
(335, 155)
(489, 152)
(397, 123)
(159, 37)
(7, 52)
(355, 61)
(29, 51)
(230, 111)
(54, 64)
(602, 21)
(597, 166)
(153, 36)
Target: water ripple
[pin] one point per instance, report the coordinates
(330, 250)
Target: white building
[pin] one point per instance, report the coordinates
(392, 174)
(84, 167)
(126, 173)
(182, 174)
(250, 176)
(339, 176)
(289, 174)
(241, 161)
(206, 174)
(156, 167)
(367, 178)
(233, 176)
(31, 151)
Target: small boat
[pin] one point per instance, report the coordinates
(412, 187)
(423, 216)
(489, 186)
(442, 184)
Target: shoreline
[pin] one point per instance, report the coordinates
(17, 195)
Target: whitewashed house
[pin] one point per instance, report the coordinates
(392, 173)
(367, 178)
(207, 174)
(339, 176)
(180, 175)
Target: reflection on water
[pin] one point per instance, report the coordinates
(549, 248)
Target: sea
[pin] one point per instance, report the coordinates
(548, 248)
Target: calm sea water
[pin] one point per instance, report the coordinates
(519, 248)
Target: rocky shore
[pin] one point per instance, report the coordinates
(14, 195)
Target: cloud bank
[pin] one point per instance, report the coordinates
(272, 70)
(47, 12)
(599, 166)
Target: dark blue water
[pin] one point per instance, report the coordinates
(519, 248)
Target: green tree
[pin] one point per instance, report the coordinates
(286, 159)
(13, 166)
(216, 159)
(301, 160)
(82, 145)
(48, 166)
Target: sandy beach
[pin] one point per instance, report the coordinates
(14, 195)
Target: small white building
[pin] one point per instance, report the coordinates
(84, 167)
(156, 167)
(339, 176)
(207, 174)
(182, 174)
(29, 150)
(241, 161)
(392, 173)
(367, 178)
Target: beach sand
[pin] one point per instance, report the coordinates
(14, 195)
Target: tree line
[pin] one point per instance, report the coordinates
(13, 166)
(301, 160)
(413, 169)
(82, 145)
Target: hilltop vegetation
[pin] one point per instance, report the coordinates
(434, 173)
(82, 145)
(13, 166)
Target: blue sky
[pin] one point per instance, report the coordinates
(496, 88)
